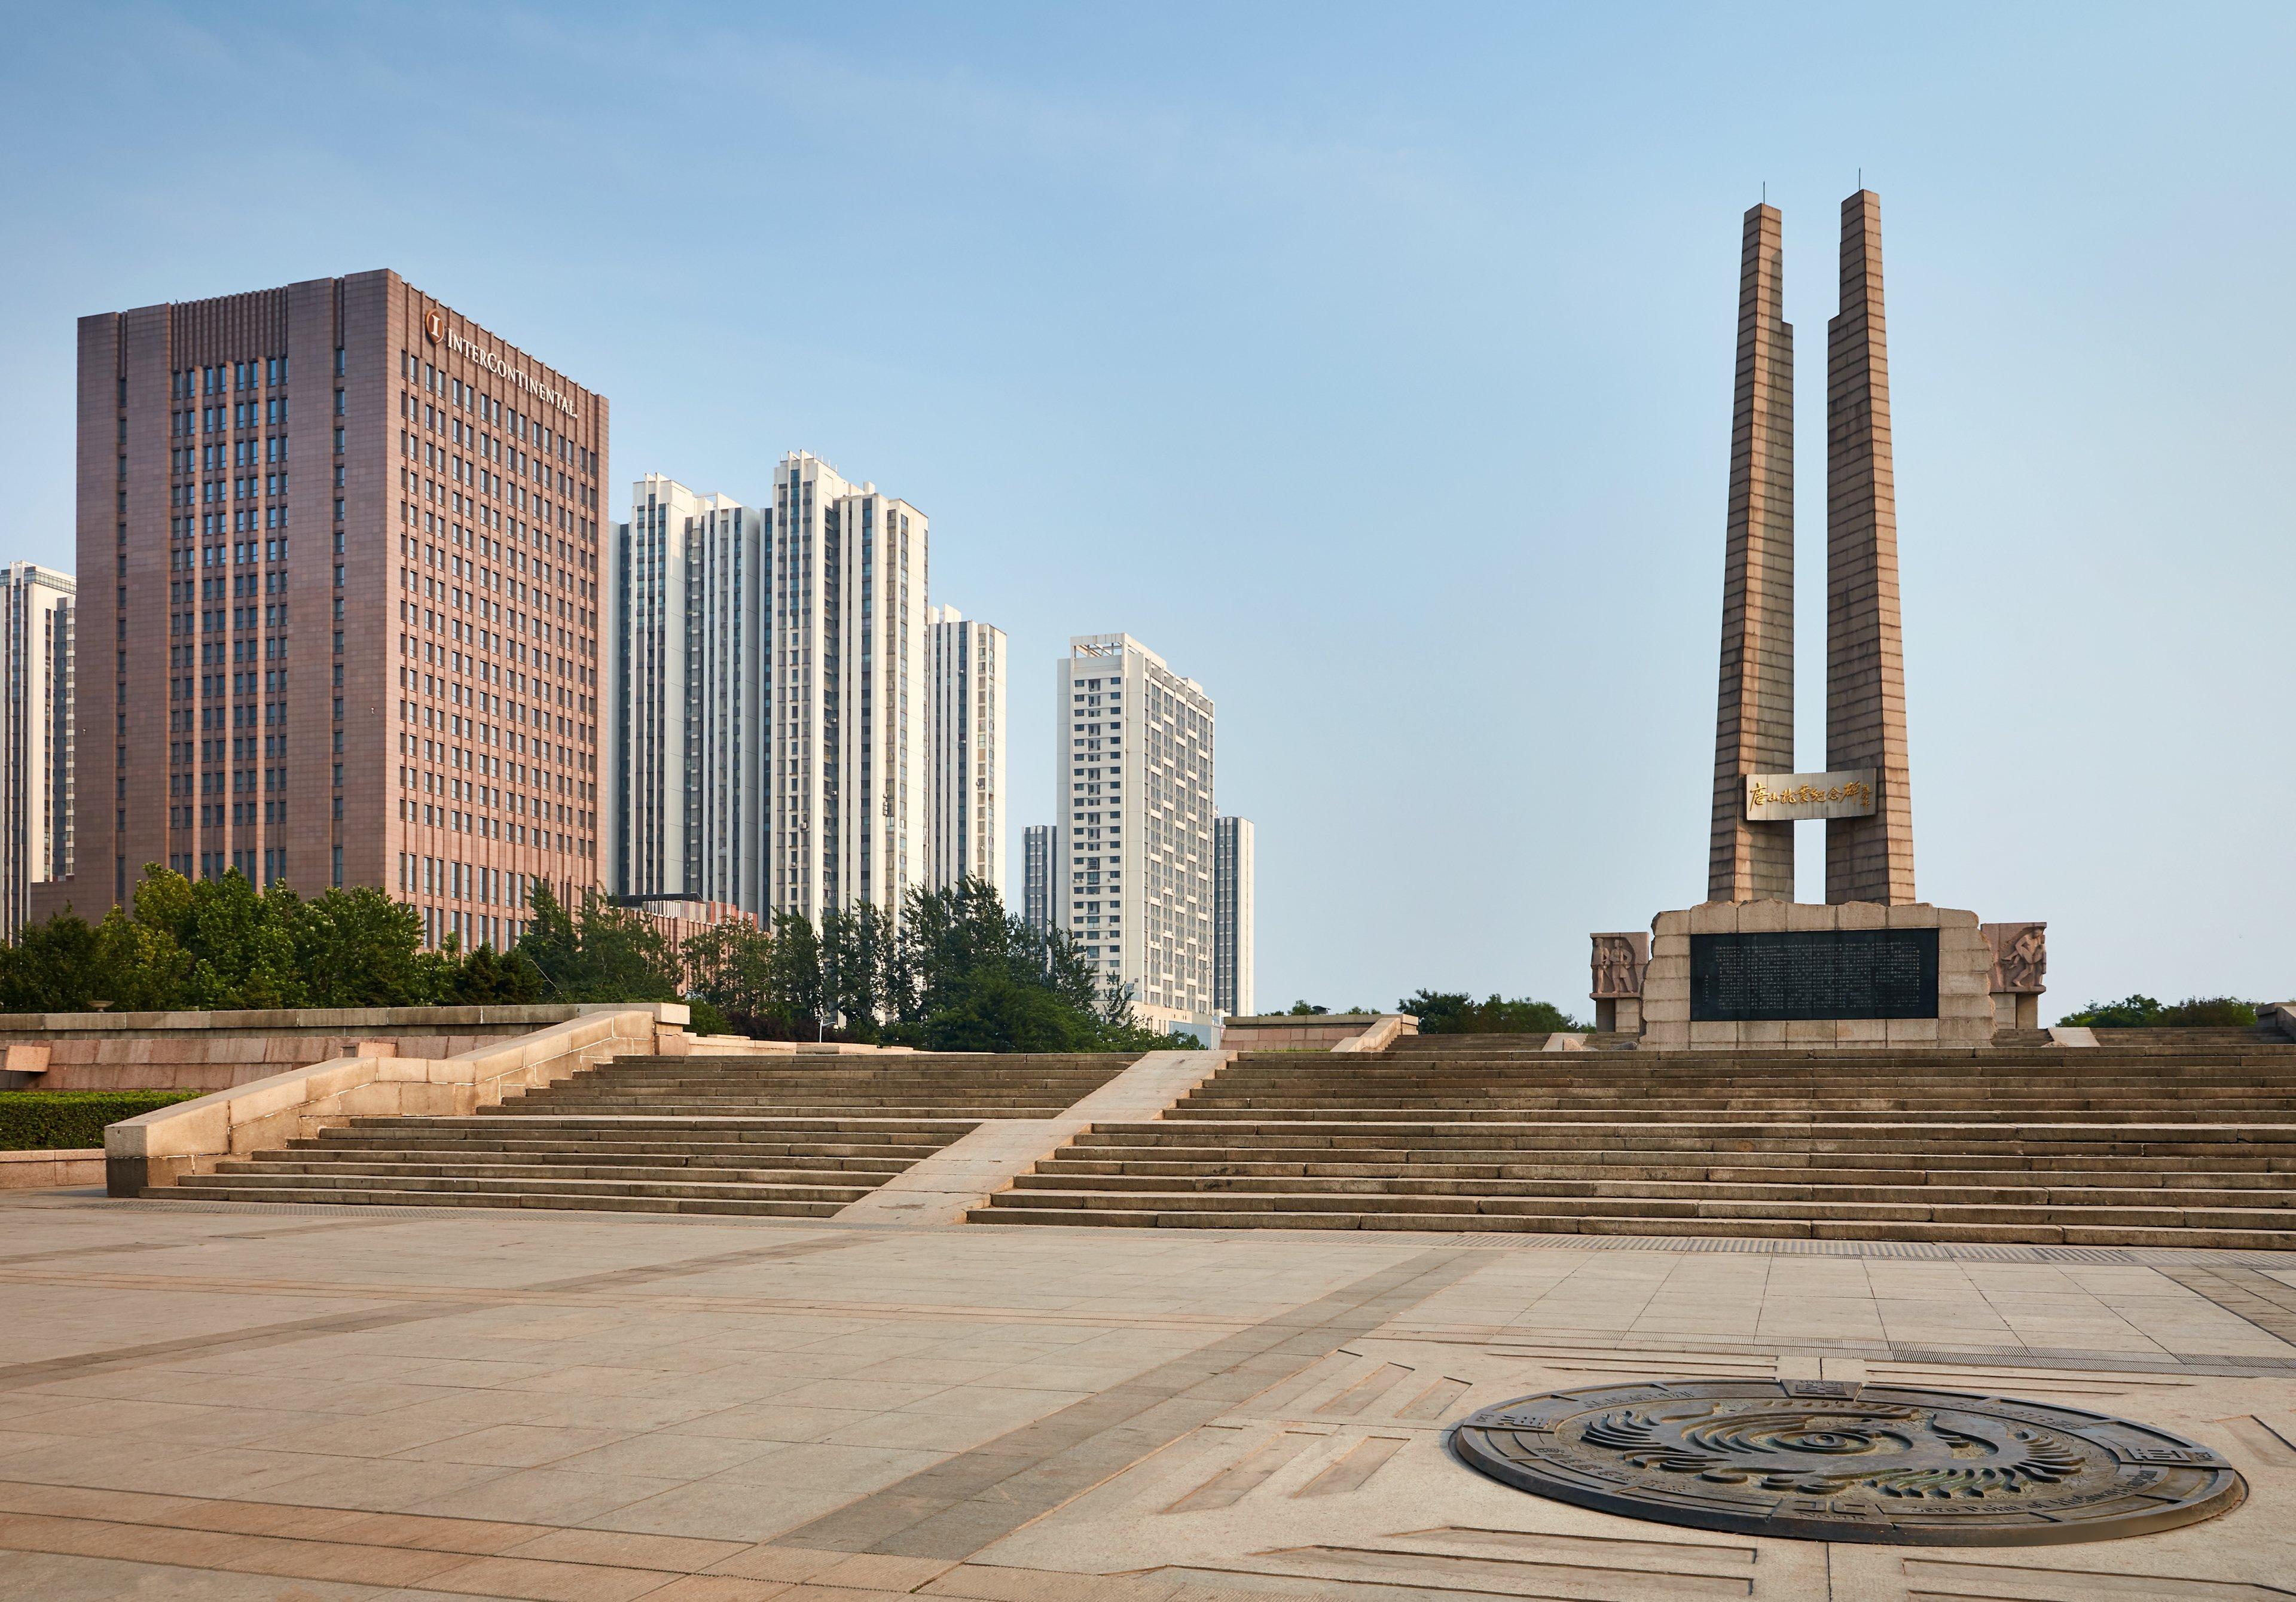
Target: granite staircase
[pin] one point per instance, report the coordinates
(2179, 1141)
(781, 1136)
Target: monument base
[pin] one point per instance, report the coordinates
(1926, 981)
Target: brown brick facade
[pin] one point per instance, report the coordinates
(339, 579)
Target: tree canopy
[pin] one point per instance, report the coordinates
(218, 943)
(2142, 1012)
(1456, 1013)
(957, 974)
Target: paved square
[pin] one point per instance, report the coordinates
(230, 1401)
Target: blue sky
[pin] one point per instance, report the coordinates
(1373, 365)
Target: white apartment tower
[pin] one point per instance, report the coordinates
(1133, 845)
(686, 788)
(1036, 876)
(1232, 916)
(848, 683)
(967, 750)
(36, 733)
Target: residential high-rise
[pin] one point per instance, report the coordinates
(36, 735)
(352, 539)
(967, 750)
(1232, 916)
(686, 792)
(1037, 868)
(1133, 848)
(848, 687)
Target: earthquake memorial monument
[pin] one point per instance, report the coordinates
(1872, 965)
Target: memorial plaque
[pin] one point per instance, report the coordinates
(1813, 973)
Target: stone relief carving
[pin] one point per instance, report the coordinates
(2021, 956)
(1618, 961)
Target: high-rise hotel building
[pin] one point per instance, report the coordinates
(686, 792)
(967, 750)
(1132, 873)
(36, 714)
(340, 546)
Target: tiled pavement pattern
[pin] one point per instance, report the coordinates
(2186, 1142)
(226, 1402)
(774, 1137)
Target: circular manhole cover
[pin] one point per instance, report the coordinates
(1821, 1460)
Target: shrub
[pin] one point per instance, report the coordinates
(2142, 1012)
(1455, 1012)
(53, 1120)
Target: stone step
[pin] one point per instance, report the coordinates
(647, 1175)
(2251, 1218)
(824, 1155)
(574, 1125)
(704, 1106)
(855, 1159)
(1592, 1223)
(836, 1195)
(1059, 1178)
(245, 1191)
(1474, 1112)
(1870, 1169)
(965, 1084)
(2118, 1140)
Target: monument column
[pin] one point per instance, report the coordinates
(1867, 859)
(1754, 715)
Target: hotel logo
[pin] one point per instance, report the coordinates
(434, 325)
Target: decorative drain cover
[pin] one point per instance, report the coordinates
(1824, 1460)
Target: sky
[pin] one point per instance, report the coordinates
(1371, 365)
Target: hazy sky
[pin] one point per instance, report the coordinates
(1372, 364)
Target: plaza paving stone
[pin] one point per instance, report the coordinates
(227, 1402)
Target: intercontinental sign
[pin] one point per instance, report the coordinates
(434, 326)
(1777, 797)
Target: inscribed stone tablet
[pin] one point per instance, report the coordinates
(1813, 973)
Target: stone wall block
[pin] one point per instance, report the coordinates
(1762, 917)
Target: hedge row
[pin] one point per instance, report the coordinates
(50, 1120)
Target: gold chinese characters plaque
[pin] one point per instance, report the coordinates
(1779, 797)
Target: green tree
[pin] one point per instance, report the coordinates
(2142, 1012)
(793, 989)
(597, 951)
(359, 948)
(862, 972)
(1455, 1012)
(56, 965)
(729, 966)
(490, 978)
